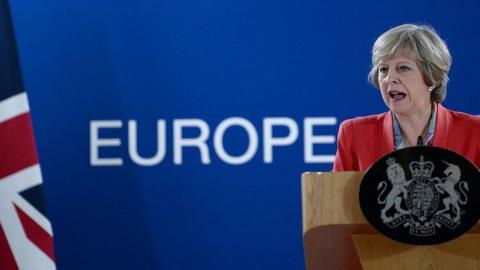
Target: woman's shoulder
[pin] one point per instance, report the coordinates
(463, 117)
(364, 121)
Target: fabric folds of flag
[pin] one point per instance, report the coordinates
(26, 240)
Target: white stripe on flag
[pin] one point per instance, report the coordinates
(27, 255)
(13, 184)
(13, 106)
(20, 181)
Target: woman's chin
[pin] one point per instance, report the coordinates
(398, 108)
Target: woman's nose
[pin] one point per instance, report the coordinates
(392, 77)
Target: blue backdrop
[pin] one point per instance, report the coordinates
(90, 67)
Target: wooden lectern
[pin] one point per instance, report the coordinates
(337, 236)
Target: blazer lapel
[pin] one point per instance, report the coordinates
(440, 137)
(387, 135)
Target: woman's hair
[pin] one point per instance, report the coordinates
(431, 53)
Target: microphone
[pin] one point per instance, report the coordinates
(420, 141)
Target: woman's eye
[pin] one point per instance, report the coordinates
(404, 68)
(383, 70)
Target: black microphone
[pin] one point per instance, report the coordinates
(420, 141)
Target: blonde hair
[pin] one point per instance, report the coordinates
(431, 53)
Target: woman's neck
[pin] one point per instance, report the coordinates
(414, 125)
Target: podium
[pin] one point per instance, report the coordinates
(337, 236)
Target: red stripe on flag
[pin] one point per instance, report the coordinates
(17, 145)
(7, 261)
(41, 238)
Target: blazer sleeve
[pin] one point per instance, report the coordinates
(345, 158)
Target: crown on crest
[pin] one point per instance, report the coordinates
(421, 169)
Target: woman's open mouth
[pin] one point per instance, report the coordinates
(397, 95)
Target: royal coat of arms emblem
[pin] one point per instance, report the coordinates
(430, 201)
(421, 198)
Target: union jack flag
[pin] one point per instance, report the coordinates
(26, 240)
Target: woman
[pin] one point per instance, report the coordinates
(410, 65)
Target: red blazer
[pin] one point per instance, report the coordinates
(363, 140)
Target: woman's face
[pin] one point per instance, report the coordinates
(403, 87)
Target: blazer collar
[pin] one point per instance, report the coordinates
(388, 145)
(440, 137)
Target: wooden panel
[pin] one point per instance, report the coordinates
(377, 252)
(331, 213)
(331, 198)
(337, 236)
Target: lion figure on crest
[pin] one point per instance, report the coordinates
(397, 178)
